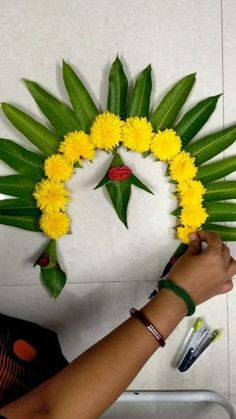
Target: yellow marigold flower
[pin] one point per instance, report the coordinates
(182, 167)
(137, 134)
(51, 196)
(77, 145)
(106, 131)
(55, 224)
(183, 232)
(166, 144)
(193, 216)
(57, 168)
(190, 192)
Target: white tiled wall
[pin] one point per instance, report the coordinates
(111, 268)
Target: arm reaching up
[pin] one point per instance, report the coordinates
(93, 381)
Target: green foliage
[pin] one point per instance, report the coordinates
(21, 160)
(36, 133)
(117, 90)
(120, 191)
(220, 211)
(135, 181)
(120, 194)
(195, 119)
(54, 280)
(226, 233)
(140, 97)
(82, 102)
(23, 206)
(60, 116)
(17, 185)
(215, 171)
(218, 191)
(166, 112)
(208, 147)
(53, 277)
(29, 222)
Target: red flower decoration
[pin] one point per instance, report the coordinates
(43, 261)
(119, 173)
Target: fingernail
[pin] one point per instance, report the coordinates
(192, 236)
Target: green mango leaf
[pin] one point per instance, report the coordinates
(140, 97)
(208, 147)
(220, 211)
(120, 191)
(120, 194)
(215, 171)
(29, 222)
(218, 191)
(135, 181)
(82, 102)
(166, 112)
(226, 233)
(23, 161)
(26, 206)
(36, 133)
(116, 161)
(17, 185)
(102, 182)
(60, 116)
(195, 119)
(117, 90)
(54, 280)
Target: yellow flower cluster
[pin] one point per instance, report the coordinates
(107, 132)
(51, 195)
(166, 146)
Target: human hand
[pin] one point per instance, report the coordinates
(204, 273)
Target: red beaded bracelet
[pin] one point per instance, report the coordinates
(140, 316)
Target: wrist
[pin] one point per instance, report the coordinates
(179, 292)
(165, 311)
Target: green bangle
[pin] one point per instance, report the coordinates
(170, 285)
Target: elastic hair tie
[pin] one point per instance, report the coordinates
(170, 285)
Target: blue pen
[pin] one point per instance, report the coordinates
(187, 360)
(191, 339)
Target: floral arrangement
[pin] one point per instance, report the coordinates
(39, 191)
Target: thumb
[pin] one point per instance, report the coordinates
(194, 247)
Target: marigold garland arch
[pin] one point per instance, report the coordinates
(38, 188)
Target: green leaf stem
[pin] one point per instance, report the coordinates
(36, 133)
(82, 102)
(220, 211)
(140, 97)
(195, 119)
(60, 116)
(226, 233)
(218, 191)
(17, 185)
(21, 160)
(166, 112)
(215, 171)
(26, 206)
(28, 222)
(117, 90)
(208, 147)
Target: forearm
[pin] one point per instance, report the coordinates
(96, 379)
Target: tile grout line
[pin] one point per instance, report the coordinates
(223, 123)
